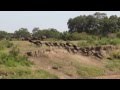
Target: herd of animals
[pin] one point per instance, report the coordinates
(71, 48)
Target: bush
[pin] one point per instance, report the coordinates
(113, 65)
(118, 34)
(13, 59)
(116, 55)
(14, 51)
(5, 44)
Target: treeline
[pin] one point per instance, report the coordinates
(96, 24)
(36, 34)
(81, 27)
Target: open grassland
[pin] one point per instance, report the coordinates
(53, 64)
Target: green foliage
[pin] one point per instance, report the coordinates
(95, 41)
(49, 33)
(14, 51)
(13, 58)
(5, 44)
(118, 35)
(113, 65)
(52, 39)
(27, 73)
(3, 34)
(22, 33)
(13, 61)
(115, 55)
(66, 36)
(95, 24)
(78, 36)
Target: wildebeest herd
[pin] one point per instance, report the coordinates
(71, 48)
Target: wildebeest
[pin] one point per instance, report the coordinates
(29, 54)
(56, 44)
(47, 44)
(68, 44)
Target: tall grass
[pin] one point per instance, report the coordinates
(22, 72)
(13, 59)
(97, 42)
(5, 44)
(89, 71)
(13, 65)
(113, 65)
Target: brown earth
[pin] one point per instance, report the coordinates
(60, 62)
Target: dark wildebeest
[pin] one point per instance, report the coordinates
(29, 53)
(37, 43)
(68, 44)
(47, 44)
(56, 44)
(74, 51)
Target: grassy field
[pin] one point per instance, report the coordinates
(15, 66)
(56, 64)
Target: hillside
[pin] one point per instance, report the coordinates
(55, 62)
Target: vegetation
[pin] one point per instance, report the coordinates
(90, 71)
(113, 65)
(92, 30)
(81, 27)
(97, 24)
(13, 65)
(21, 72)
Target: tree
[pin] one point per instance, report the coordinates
(22, 33)
(113, 20)
(99, 15)
(77, 24)
(96, 24)
(48, 33)
(66, 36)
(3, 34)
(36, 29)
(92, 25)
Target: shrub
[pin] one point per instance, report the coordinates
(5, 44)
(118, 34)
(116, 55)
(14, 51)
(11, 60)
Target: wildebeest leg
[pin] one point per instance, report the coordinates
(38, 52)
(35, 54)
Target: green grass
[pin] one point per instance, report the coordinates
(16, 66)
(13, 61)
(19, 67)
(89, 71)
(86, 71)
(28, 74)
(113, 65)
(5, 44)
(24, 73)
(115, 55)
(96, 42)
